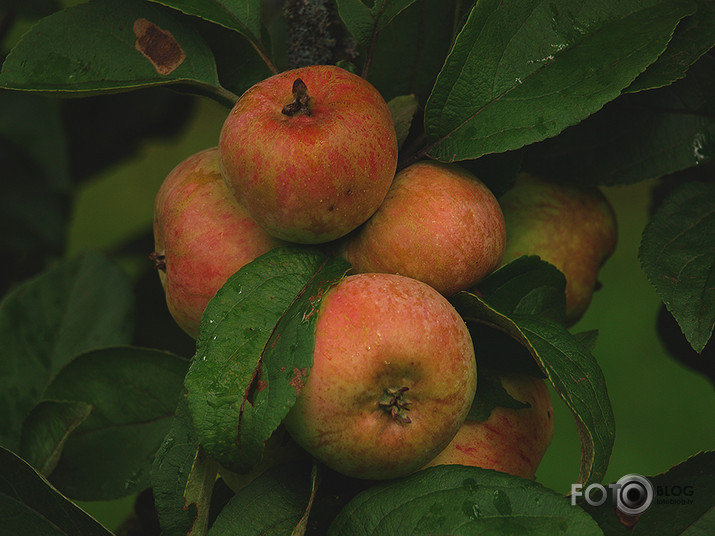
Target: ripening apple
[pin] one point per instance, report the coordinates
(392, 380)
(438, 223)
(309, 152)
(202, 236)
(572, 227)
(511, 440)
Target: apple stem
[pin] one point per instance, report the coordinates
(394, 402)
(301, 100)
(159, 260)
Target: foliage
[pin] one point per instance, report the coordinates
(499, 86)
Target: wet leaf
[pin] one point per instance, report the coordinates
(461, 501)
(254, 348)
(520, 72)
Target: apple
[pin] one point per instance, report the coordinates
(202, 236)
(511, 440)
(309, 152)
(438, 223)
(392, 380)
(574, 228)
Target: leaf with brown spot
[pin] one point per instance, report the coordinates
(252, 337)
(158, 46)
(61, 56)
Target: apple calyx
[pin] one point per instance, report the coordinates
(393, 402)
(159, 260)
(301, 100)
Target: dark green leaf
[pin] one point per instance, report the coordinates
(364, 22)
(527, 285)
(286, 360)
(636, 137)
(30, 505)
(46, 429)
(682, 503)
(243, 16)
(182, 479)
(410, 52)
(571, 369)
(457, 500)
(233, 381)
(491, 394)
(520, 72)
(133, 393)
(274, 503)
(498, 170)
(693, 37)
(678, 255)
(109, 46)
(403, 109)
(78, 305)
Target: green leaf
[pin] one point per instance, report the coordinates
(636, 137)
(458, 500)
(682, 503)
(491, 394)
(403, 109)
(46, 429)
(30, 505)
(238, 389)
(364, 22)
(109, 46)
(182, 479)
(571, 369)
(242, 16)
(527, 285)
(274, 503)
(410, 51)
(692, 38)
(520, 72)
(73, 307)
(133, 393)
(285, 361)
(588, 339)
(677, 254)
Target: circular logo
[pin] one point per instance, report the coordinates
(634, 494)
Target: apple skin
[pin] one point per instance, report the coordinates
(438, 223)
(574, 228)
(376, 332)
(511, 440)
(202, 236)
(310, 178)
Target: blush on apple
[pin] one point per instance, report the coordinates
(202, 236)
(309, 152)
(511, 440)
(392, 380)
(438, 223)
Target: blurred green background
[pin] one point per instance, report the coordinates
(664, 411)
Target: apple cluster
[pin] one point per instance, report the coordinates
(309, 156)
